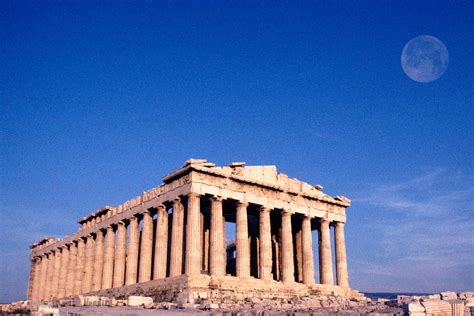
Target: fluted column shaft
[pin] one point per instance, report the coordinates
(177, 229)
(49, 276)
(146, 248)
(120, 254)
(88, 265)
(42, 280)
(161, 244)
(326, 273)
(242, 262)
(31, 283)
(79, 275)
(98, 261)
(287, 259)
(108, 271)
(63, 272)
(307, 243)
(216, 249)
(36, 279)
(56, 272)
(71, 269)
(132, 252)
(265, 250)
(193, 242)
(341, 258)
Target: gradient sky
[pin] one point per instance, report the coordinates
(100, 100)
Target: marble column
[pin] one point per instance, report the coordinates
(79, 275)
(242, 262)
(98, 261)
(146, 248)
(42, 280)
(31, 282)
(132, 252)
(88, 265)
(325, 258)
(36, 279)
(49, 276)
(64, 271)
(108, 271)
(120, 254)
(71, 269)
(299, 256)
(216, 250)
(287, 259)
(57, 270)
(193, 243)
(307, 245)
(161, 243)
(177, 229)
(341, 258)
(265, 249)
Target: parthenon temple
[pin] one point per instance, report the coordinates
(170, 242)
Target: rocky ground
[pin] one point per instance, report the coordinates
(446, 303)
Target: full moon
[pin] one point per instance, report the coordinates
(424, 58)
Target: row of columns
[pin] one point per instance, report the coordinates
(105, 259)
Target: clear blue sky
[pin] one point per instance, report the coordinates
(100, 100)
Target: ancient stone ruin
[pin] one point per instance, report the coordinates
(169, 243)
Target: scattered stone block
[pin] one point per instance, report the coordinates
(414, 309)
(438, 307)
(211, 306)
(140, 301)
(449, 295)
(47, 310)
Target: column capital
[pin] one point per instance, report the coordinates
(216, 198)
(242, 203)
(177, 201)
(286, 212)
(161, 207)
(146, 211)
(264, 209)
(339, 224)
(193, 194)
(122, 222)
(324, 221)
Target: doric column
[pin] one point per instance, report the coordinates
(120, 254)
(31, 283)
(71, 269)
(49, 276)
(341, 258)
(63, 272)
(108, 271)
(132, 252)
(287, 259)
(98, 261)
(307, 245)
(36, 282)
(265, 249)
(325, 258)
(216, 249)
(177, 229)
(242, 262)
(79, 275)
(57, 270)
(42, 278)
(146, 248)
(161, 243)
(88, 265)
(298, 256)
(193, 243)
